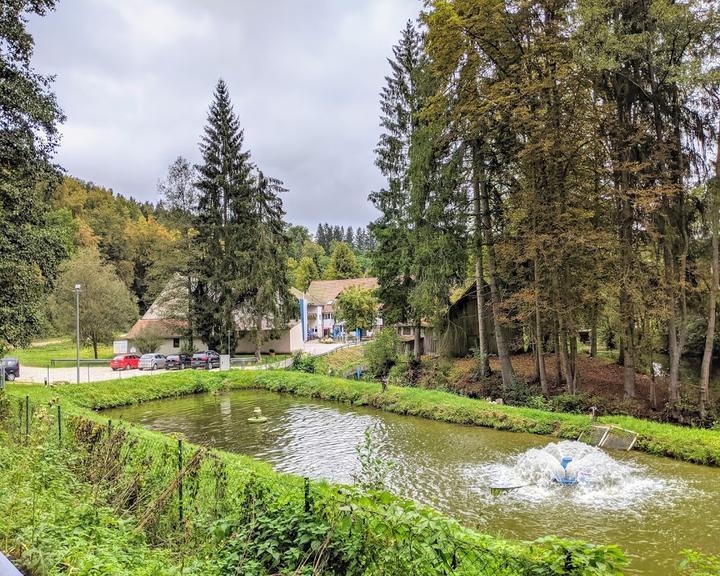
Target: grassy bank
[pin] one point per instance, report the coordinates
(103, 501)
(690, 444)
(41, 355)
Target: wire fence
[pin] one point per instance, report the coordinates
(171, 488)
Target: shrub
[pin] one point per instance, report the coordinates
(383, 352)
(148, 340)
(576, 403)
(303, 362)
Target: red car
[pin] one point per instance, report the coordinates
(125, 362)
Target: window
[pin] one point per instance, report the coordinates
(176, 342)
(326, 316)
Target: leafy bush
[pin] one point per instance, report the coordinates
(71, 512)
(698, 564)
(303, 362)
(374, 469)
(148, 340)
(383, 352)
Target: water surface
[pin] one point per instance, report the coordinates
(652, 507)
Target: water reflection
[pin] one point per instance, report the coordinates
(656, 509)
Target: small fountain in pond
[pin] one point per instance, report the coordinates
(258, 416)
(573, 471)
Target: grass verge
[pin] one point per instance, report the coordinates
(695, 445)
(106, 501)
(40, 356)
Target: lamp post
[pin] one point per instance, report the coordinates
(77, 329)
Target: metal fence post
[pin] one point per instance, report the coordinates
(59, 418)
(180, 482)
(307, 494)
(27, 415)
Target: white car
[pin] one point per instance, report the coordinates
(151, 362)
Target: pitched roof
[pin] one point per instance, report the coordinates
(164, 315)
(163, 328)
(325, 291)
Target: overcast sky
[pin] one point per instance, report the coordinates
(135, 78)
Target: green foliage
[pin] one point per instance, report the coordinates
(343, 263)
(383, 352)
(303, 362)
(147, 340)
(241, 245)
(306, 272)
(697, 564)
(357, 307)
(106, 305)
(374, 469)
(40, 354)
(72, 511)
(52, 523)
(33, 240)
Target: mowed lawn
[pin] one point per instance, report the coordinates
(41, 354)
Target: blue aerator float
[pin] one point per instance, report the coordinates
(568, 477)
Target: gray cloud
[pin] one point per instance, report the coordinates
(135, 78)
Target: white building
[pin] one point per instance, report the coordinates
(164, 319)
(317, 306)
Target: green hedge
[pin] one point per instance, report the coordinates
(77, 507)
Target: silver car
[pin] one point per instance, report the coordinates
(151, 361)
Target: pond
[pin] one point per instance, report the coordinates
(652, 507)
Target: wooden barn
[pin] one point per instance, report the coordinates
(460, 335)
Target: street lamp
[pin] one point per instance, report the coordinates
(77, 329)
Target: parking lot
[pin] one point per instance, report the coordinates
(95, 373)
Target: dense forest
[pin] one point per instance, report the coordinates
(563, 155)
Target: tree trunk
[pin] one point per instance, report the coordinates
(258, 341)
(503, 353)
(556, 343)
(573, 360)
(542, 375)
(626, 307)
(417, 344)
(564, 358)
(191, 344)
(95, 344)
(480, 301)
(593, 332)
(712, 298)
(479, 272)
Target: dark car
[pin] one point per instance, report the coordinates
(177, 361)
(11, 367)
(208, 359)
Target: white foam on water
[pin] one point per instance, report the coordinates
(602, 482)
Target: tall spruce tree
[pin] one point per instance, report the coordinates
(224, 218)
(399, 104)
(269, 305)
(420, 235)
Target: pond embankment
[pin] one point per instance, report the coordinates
(88, 480)
(700, 446)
